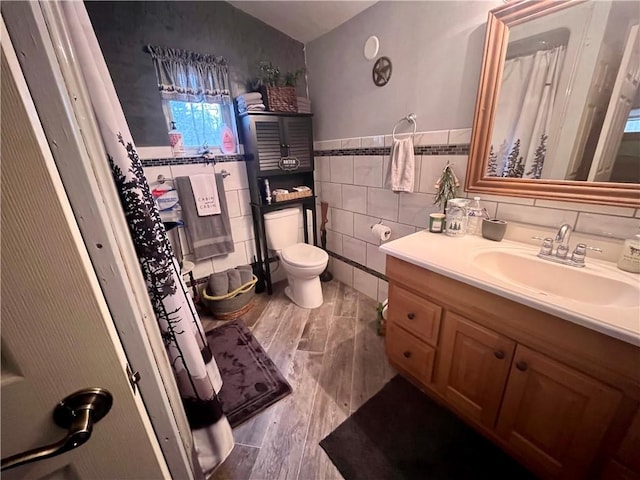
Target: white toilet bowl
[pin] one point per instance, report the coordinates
(303, 264)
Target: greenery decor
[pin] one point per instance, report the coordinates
(446, 187)
(269, 74)
(291, 78)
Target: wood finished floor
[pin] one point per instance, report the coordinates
(334, 361)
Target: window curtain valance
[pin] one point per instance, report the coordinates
(190, 76)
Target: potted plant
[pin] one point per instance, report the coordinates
(279, 95)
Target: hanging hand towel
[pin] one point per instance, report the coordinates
(207, 236)
(205, 193)
(402, 165)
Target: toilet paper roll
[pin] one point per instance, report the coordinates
(381, 232)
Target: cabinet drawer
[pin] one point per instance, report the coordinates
(409, 353)
(414, 313)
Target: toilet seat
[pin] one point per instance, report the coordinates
(304, 255)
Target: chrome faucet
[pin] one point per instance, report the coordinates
(560, 255)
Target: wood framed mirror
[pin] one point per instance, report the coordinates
(557, 103)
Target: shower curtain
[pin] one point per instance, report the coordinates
(195, 369)
(524, 112)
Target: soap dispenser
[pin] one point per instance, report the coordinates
(630, 256)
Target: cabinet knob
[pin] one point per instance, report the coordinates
(411, 316)
(522, 365)
(499, 354)
(407, 354)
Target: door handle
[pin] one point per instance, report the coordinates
(77, 413)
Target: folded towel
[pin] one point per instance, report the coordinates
(218, 284)
(242, 103)
(235, 281)
(205, 193)
(249, 96)
(401, 172)
(246, 273)
(208, 236)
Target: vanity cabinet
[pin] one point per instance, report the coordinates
(559, 397)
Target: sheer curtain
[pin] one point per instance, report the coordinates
(195, 369)
(523, 115)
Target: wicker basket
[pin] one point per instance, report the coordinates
(282, 197)
(280, 99)
(233, 304)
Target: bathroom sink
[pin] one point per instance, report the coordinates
(594, 285)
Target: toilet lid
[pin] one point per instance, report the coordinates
(304, 255)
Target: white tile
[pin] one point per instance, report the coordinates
(233, 205)
(334, 242)
(354, 198)
(586, 207)
(415, 209)
(382, 203)
(242, 228)
(376, 260)
(250, 250)
(372, 142)
(244, 200)
(322, 168)
(202, 268)
(535, 215)
(354, 249)
(383, 290)
(350, 142)
(341, 221)
(238, 175)
(332, 194)
(504, 199)
(398, 230)
(317, 188)
(367, 170)
(316, 145)
(193, 169)
(366, 283)
(459, 136)
(342, 169)
(328, 145)
(362, 228)
(343, 272)
(607, 225)
(388, 140)
(238, 257)
(436, 137)
(432, 167)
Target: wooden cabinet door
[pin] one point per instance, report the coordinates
(269, 143)
(298, 138)
(415, 314)
(409, 354)
(553, 415)
(473, 368)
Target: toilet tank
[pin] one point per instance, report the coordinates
(281, 228)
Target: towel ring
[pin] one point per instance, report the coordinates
(411, 118)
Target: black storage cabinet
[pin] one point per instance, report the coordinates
(279, 148)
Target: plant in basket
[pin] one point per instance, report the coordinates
(279, 94)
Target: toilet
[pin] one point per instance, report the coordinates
(302, 262)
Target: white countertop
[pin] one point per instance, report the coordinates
(453, 257)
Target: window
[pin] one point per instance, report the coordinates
(196, 98)
(633, 122)
(201, 124)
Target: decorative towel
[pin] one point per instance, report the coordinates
(246, 97)
(208, 236)
(402, 166)
(205, 193)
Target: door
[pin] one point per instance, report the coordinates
(622, 98)
(57, 335)
(269, 142)
(473, 370)
(554, 415)
(299, 141)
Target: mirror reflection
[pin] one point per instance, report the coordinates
(569, 102)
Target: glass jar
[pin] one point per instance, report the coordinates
(456, 217)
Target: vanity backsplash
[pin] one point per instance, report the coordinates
(349, 175)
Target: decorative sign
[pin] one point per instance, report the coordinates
(228, 141)
(289, 163)
(382, 71)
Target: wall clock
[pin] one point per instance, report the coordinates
(382, 71)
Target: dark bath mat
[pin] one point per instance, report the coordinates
(251, 381)
(402, 434)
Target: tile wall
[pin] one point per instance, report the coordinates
(350, 174)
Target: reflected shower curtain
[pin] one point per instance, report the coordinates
(523, 115)
(195, 370)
